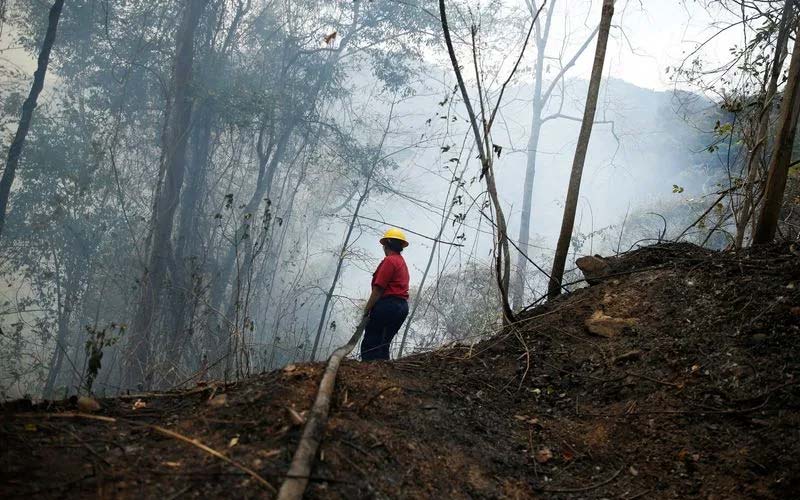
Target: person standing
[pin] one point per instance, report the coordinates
(387, 306)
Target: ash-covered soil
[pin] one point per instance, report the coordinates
(693, 393)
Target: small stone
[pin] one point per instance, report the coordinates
(543, 456)
(594, 268)
(87, 404)
(218, 401)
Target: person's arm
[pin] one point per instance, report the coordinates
(373, 298)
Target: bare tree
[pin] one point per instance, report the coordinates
(767, 224)
(486, 149)
(541, 97)
(28, 106)
(573, 191)
(271, 151)
(752, 192)
(160, 252)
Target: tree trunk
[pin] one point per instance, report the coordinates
(483, 143)
(175, 165)
(767, 224)
(187, 245)
(541, 98)
(28, 106)
(353, 220)
(339, 264)
(64, 307)
(60, 348)
(518, 286)
(754, 162)
(573, 192)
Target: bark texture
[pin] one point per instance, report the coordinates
(752, 189)
(767, 224)
(573, 192)
(160, 252)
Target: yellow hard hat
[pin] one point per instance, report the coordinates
(395, 234)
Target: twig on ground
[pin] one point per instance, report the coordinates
(585, 488)
(296, 479)
(196, 443)
(161, 430)
(376, 396)
(173, 394)
(179, 493)
(86, 445)
(655, 380)
(527, 355)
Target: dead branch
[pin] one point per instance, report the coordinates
(197, 444)
(585, 488)
(297, 478)
(376, 396)
(484, 144)
(697, 221)
(161, 430)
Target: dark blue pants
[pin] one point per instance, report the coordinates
(385, 319)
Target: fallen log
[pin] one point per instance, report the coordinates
(296, 480)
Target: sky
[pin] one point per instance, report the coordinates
(656, 35)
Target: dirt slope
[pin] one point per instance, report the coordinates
(697, 397)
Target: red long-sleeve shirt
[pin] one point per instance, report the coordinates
(392, 276)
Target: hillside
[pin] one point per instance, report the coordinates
(696, 397)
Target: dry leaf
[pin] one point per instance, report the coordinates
(289, 368)
(172, 464)
(233, 442)
(139, 404)
(544, 455)
(568, 455)
(87, 404)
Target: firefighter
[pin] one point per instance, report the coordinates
(387, 306)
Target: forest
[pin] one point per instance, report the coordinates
(598, 203)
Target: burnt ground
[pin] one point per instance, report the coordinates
(697, 398)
